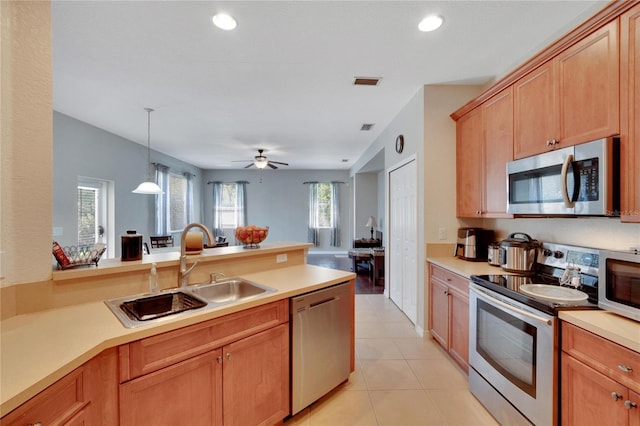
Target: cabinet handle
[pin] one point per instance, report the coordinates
(548, 142)
(228, 355)
(446, 292)
(448, 279)
(35, 424)
(630, 404)
(219, 360)
(615, 396)
(625, 368)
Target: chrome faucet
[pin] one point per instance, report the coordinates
(183, 274)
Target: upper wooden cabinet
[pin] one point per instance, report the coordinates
(483, 147)
(498, 150)
(469, 165)
(571, 99)
(630, 115)
(536, 122)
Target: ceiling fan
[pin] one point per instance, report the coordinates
(260, 161)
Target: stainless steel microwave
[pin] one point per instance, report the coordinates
(619, 283)
(577, 180)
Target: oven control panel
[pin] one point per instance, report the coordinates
(562, 256)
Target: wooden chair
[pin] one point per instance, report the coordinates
(161, 241)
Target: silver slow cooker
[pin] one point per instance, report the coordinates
(518, 253)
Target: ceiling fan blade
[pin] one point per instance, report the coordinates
(278, 162)
(271, 165)
(248, 165)
(240, 161)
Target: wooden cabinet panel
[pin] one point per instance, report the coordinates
(469, 164)
(498, 150)
(449, 313)
(586, 396)
(588, 87)
(459, 327)
(634, 413)
(439, 312)
(156, 352)
(256, 371)
(189, 392)
(630, 115)
(535, 112)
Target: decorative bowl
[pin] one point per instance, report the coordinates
(251, 236)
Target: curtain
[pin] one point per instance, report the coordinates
(335, 214)
(189, 197)
(241, 203)
(217, 207)
(313, 217)
(162, 200)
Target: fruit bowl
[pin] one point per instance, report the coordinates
(251, 236)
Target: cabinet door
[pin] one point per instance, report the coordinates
(459, 327)
(189, 392)
(588, 83)
(634, 412)
(256, 378)
(439, 311)
(535, 112)
(590, 398)
(630, 115)
(469, 164)
(498, 150)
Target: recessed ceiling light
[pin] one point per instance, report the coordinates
(430, 23)
(224, 21)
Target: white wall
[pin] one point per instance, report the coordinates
(281, 202)
(366, 204)
(80, 149)
(26, 149)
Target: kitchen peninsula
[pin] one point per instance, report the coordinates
(41, 348)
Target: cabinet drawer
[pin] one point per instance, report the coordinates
(55, 405)
(451, 279)
(602, 355)
(156, 352)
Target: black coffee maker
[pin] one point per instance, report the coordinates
(473, 244)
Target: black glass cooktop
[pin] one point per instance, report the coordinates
(509, 285)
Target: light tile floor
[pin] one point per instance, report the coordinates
(400, 378)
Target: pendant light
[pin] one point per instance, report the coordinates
(149, 186)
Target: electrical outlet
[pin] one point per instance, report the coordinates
(57, 231)
(442, 233)
(281, 258)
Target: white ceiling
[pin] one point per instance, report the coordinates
(283, 79)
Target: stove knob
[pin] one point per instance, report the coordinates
(558, 254)
(546, 252)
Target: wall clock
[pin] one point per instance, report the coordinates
(399, 144)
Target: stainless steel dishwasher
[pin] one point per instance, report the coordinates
(320, 343)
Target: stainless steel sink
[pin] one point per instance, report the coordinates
(134, 311)
(229, 290)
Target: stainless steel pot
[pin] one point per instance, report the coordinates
(519, 254)
(493, 254)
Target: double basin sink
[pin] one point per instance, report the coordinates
(134, 311)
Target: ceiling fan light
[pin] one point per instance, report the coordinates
(430, 23)
(261, 164)
(224, 21)
(147, 188)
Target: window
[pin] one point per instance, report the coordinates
(96, 213)
(178, 206)
(229, 206)
(323, 211)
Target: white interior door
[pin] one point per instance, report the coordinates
(403, 286)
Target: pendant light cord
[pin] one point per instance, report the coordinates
(149, 111)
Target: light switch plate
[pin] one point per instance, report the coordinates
(442, 233)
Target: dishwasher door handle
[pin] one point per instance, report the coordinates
(322, 302)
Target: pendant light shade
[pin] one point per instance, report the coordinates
(149, 186)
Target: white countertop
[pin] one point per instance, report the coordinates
(465, 268)
(40, 348)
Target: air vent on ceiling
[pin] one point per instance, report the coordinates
(366, 126)
(366, 81)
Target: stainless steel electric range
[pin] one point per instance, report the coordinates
(513, 332)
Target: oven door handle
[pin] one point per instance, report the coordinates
(510, 307)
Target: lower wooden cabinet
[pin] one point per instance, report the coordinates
(168, 380)
(86, 396)
(600, 383)
(449, 312)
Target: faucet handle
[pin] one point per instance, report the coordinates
(215, 275)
